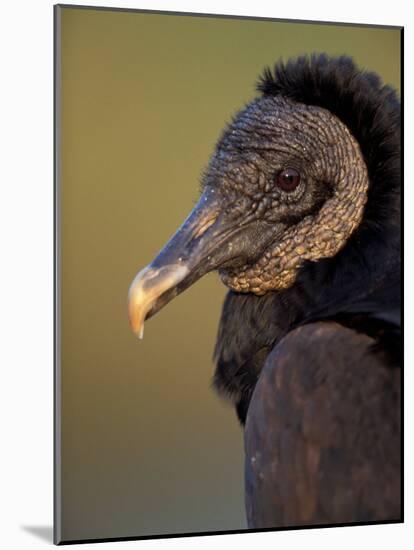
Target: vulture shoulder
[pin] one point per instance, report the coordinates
(323, 432)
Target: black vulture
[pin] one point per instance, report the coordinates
(300, 215)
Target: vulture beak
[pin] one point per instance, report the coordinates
(186, 257)
(210, 238)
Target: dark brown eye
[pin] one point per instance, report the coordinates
(287, 179)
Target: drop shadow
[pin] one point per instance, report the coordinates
(44, 532)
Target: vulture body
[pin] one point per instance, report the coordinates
(300, 214)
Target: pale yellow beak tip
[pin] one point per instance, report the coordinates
(147, 286)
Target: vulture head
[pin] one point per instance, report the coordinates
(288, 183)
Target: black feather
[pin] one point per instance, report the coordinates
(360, 286)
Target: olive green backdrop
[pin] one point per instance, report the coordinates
(147, 446)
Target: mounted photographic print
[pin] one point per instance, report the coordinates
(228, 265)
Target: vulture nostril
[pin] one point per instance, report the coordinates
(199, 232)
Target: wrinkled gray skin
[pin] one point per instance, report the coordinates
(244, 225)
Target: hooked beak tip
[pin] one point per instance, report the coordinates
(136, 314)
(150, 283)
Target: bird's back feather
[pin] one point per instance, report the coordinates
(322, 435)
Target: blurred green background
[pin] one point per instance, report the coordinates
(147, 446)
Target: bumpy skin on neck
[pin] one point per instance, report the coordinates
(363, 279)
(319, 234)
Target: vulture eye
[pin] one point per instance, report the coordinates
(287, 179)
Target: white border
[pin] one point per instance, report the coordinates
(26, 320)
